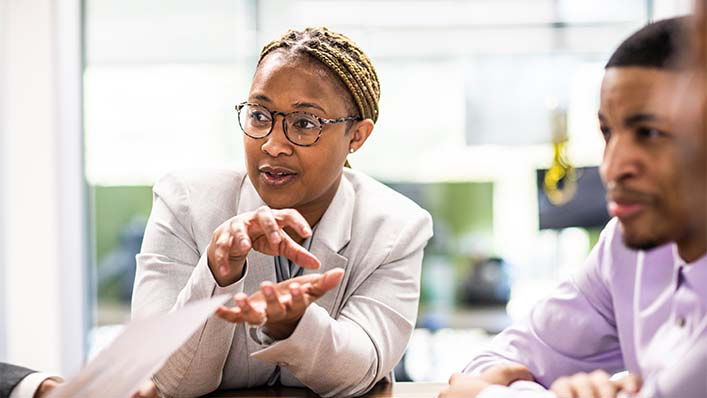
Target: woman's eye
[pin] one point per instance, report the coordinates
(259, 116)
(304, 124)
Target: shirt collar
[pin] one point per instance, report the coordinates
(694, 273)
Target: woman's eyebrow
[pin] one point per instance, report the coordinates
(302, 105)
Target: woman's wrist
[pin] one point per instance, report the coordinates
(280, 330)
(233, 273)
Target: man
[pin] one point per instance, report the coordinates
(639, 302)
(19, 382)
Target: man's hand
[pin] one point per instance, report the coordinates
(262, 230)
(45, 388)
(279, 307)
(594, 385)
(467, 386)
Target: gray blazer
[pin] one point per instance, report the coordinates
(347, 341)
(11, 376)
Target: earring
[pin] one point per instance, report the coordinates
(351, 150)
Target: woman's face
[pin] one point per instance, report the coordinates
(284, 174)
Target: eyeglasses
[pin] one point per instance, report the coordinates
(301, 128)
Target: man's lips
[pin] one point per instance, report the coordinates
(624, 210)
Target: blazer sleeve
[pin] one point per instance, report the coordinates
(573, 330)
(372, 331)
(11, 376)
(171, 272)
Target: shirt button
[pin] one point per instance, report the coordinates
(680, 321)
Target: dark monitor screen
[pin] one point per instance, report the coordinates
(587, 208)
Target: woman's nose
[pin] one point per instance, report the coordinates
(276, 143)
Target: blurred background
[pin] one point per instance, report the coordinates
(488, 120)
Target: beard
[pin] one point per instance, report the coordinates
(639, 243)
(644, 238)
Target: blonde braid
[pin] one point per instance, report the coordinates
(340, 55)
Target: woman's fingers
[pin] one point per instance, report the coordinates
(299, 301)
(326, 282)
(250, 314)
(269, 226)
(274, 308)
(293, 219)
(298, 254)
(232, 315)
(241, 241)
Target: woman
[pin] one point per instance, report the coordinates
(313, 99)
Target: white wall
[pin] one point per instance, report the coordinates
(3, 320)
(43, 211)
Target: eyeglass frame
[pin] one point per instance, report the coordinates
(322, 121)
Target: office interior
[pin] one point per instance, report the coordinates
(480, 102)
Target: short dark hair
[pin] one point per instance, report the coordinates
(656, 45)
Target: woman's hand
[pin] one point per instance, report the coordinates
(279, 307)
(594, 385)
(261, 230)
(148, 389)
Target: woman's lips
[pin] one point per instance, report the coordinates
(624, 210)
(276, 176)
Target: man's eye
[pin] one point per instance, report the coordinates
(649, 133)
(606, 132)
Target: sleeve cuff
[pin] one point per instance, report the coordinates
(29, 385)
(203, 284)
(286, 351)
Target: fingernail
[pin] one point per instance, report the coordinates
(244, 244)
(268, 291)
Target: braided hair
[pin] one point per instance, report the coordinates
(341, 56)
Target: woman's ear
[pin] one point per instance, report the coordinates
(359, 134)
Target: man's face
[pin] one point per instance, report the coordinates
(654, 159)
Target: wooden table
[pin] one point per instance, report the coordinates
(383, 390)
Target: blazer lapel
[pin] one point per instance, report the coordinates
(331, 235)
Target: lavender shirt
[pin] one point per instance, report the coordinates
(640, 311)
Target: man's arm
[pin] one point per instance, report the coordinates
(19, 382)
(572, 331)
